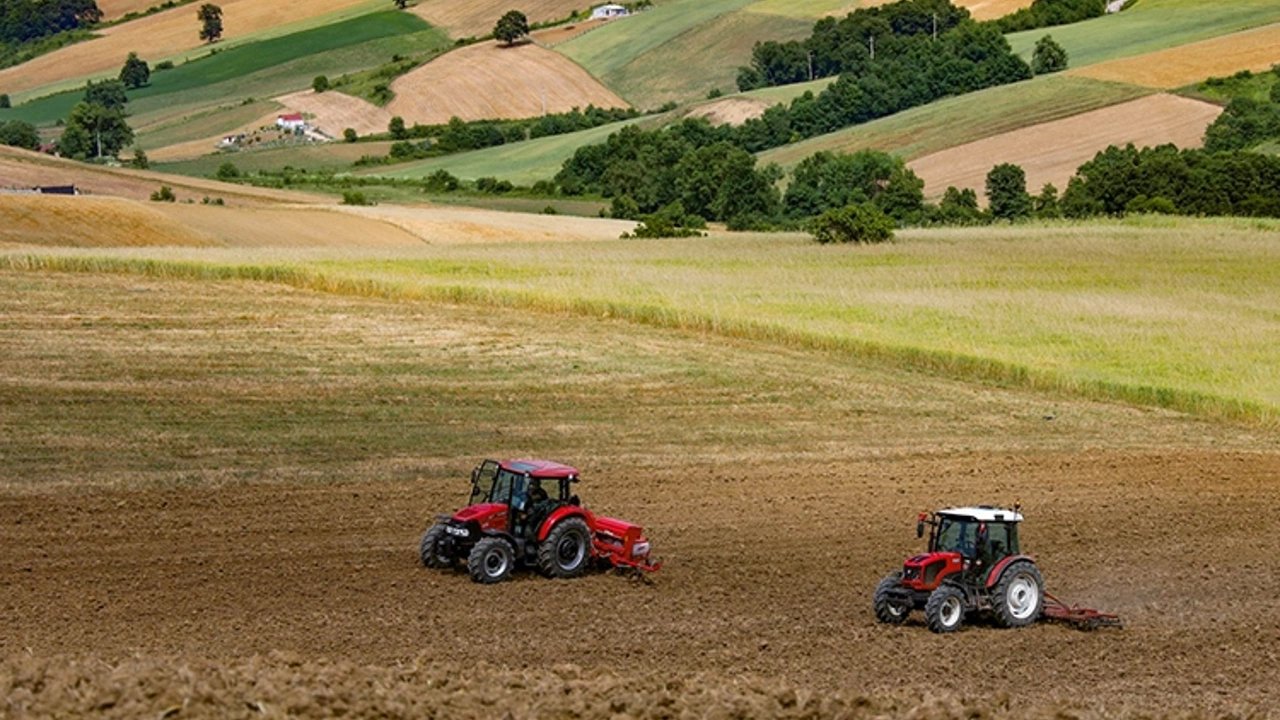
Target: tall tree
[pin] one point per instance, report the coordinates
(511, 27)
(135, 72)
(210, 17)
(107, 93)
(95, 131)
(19, 134)
(1007, 195)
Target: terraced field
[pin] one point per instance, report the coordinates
(1255, 50)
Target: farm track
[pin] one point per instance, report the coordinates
(196, 560)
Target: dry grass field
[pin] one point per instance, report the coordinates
(213, 490)
(54, 221)
(114, 9)
(24, 169)
(730, 110)
(163, 35)
(488, 80)
(477, 17)
(1051, 152)
(1256, 50)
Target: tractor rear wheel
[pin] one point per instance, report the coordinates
(1018, 596)
(889, 606)
(945, 609)
(566, 552)
(491, 560)
(429, 549)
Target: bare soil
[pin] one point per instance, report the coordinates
(730, 111)
(1051, 152)
(489, 81)
(1253, 50)
(172, 579)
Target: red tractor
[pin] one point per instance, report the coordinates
(522, 512)
(973, 565)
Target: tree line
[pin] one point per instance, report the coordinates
(24, 21)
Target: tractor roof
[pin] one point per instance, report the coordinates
(983, 513)
(542, 469)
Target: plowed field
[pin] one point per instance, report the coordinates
(1051, 152)
(489, 81)
(210, 495)
(476, 18)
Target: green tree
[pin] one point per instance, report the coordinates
(1048, 56)
(94, 130)
(108, 94)
(960, 207)
(511, 27)
(1007, 195)
(140, 159)
(135, 72)
(861, 223)
(397, 129)
(320, 84)
(164, 194)
(402, 4)
(624, 208)
(350, 135)
(210, 17)
(1046, 203)
(1275, 93)
(17, 133)
(227, 171)
(4, 101)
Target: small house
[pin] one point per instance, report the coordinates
(609, 12)
(291, 122)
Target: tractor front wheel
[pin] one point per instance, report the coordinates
(429, 549)
(491, 560)
(890, 607)
(945, 610)
(567, 550)
(1017, 598)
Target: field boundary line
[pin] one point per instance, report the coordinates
(951, 365)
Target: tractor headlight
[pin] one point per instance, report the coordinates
(457, 531)
(640, 549)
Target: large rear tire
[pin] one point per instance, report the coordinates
(429, 549)
(1018, 597)
(945, 610)
(566, 553)
(491, 560)
(890, 607)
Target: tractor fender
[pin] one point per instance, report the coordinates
(998, 569)
(560, 513)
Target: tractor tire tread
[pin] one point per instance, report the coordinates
(548, 562)
(883, 604)
(1000, 592)
(476, 560)
(933, 608)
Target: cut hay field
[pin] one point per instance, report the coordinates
(1256, 50)
(116, 9)
(476, 18)
(1051, 152)
(164, 35)
(946, 123)
(489, 81)
(60, 221)
(236, 473)
(1150, 26)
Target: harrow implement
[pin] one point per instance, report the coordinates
(1081, 617)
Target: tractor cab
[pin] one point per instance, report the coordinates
(983, 535)
(517, 495)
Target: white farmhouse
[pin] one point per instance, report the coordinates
(608, 12)
(291, 122)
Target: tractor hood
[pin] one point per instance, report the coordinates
(478, 513)
(923, 559)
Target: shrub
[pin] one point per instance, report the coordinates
(354, 197)
(861, 223)
(164, 194)
(163, 65)
(4, 101)
(227, 171)
(493, 185)
(320, 84)
(349, 135)
(1048, 56)
(624, 208)
(440, 181)
(140, 160)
